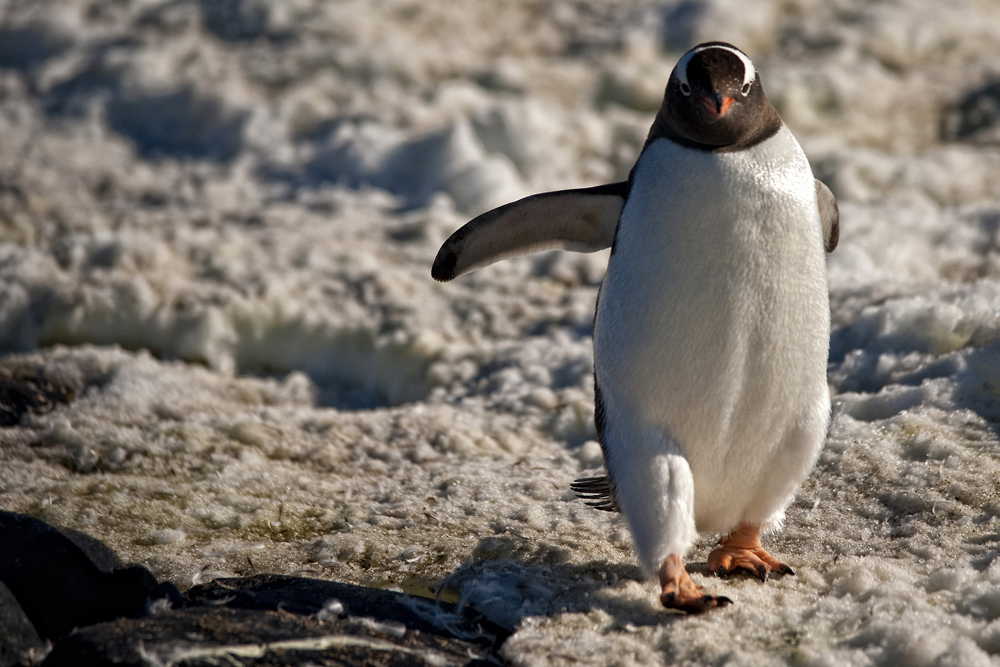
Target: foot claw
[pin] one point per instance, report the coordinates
(741, 550)
(681, 593)
(695, 606)
(709, 602)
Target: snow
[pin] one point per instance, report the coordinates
(217, 221)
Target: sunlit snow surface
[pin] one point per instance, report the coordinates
(217, 221)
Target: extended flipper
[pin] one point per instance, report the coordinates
(579, 220)
(829, 215)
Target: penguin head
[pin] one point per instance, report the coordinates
(714, 98)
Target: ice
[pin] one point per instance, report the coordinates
(217, 221)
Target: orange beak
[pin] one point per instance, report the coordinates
(718, 106)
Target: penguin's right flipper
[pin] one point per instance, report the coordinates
(829, 215)
(579, 220)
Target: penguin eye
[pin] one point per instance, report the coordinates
(746, 89)
(686, 89)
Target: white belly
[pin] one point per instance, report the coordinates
(714, 323)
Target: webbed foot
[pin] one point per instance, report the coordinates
(681, 593)
(741, 550)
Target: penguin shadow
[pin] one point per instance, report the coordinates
(504, 591)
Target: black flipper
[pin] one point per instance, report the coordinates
(579, 220)
(829, 215)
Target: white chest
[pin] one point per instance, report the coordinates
(724, 218)
(713, 318)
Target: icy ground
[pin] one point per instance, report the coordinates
(217, 219)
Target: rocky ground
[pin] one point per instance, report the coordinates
(225, 355)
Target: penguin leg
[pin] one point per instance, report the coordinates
(681, 593)
(654, 489)
(741, 550)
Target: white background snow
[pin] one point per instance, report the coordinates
(217, 220)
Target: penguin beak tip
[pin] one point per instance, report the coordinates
(717, 105)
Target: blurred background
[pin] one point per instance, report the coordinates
(261, 186)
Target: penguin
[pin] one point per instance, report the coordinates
(712, 330)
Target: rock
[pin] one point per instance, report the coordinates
(219, 635)
(99, 553)
(66, 586)
(312, 596)
(19, 642)
(60, 586)
(976, 117)
(24, 389)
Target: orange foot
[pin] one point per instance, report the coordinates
(741, 550)
(680, 593)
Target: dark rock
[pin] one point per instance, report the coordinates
(26, 389)
(19, 642)
(976, 117)
(60, 587)
(310, 596)
(213, 636)
(99, 553)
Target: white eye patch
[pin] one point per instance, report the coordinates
(749, 71)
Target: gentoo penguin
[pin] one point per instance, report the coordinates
(713, 320)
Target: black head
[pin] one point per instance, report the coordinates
(714, 101)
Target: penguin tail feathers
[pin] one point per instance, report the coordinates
(596, 492)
